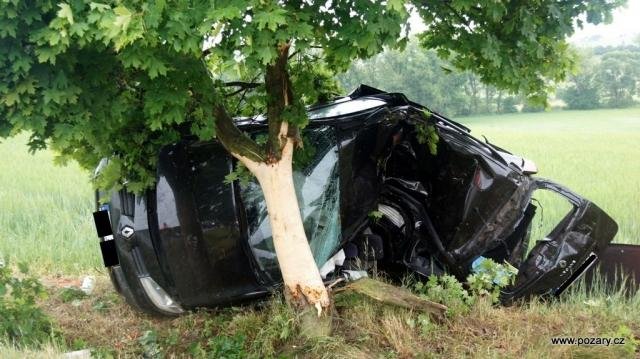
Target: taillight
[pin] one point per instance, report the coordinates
(481, 179)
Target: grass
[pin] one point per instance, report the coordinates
(362, 329)
(595, 153)
(48, 351)
(45, 211)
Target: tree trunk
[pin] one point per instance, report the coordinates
(272, 166)
(303, 285)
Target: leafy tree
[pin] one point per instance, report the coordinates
(517, 46)
(618, 74)
(606, 76)
(528, 106)
(582, 93)
(427, 79)
(121, 79)
(508, 105)
(417, 73)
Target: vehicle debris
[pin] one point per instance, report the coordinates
(88, 284)
(443, 201)
(618, 268)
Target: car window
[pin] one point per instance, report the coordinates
(551, 210)
(317, 188)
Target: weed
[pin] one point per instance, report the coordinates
(70, 294)
(487, 281)
(222, 347)
(78, 344)
(196, 350)
(105, 302)
(150, 346)
(423, 323)
(227, 347)
(631, 343)
(101, 306)
(489, 278)
(22, 323)
(277, 323)
(171, 339)
(364, 329)
(448, 290)
(103, 353)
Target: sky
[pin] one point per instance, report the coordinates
(624, 28)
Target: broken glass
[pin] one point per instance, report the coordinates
(316, 182)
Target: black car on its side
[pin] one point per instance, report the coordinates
(195, 240)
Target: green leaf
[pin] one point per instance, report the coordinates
(65, 13)
(123, 17)
(271, 19)
(226, 13)
(396, 5)
(98, 6)
(155, 67)
(265, 54)
(124, 105)
(11, 98)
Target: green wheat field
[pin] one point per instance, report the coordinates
(594, 153)
(45, 210)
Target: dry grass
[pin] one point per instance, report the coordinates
(46, 352)
(117, 326)
(362, 328)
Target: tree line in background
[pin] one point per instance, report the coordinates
(604, 77)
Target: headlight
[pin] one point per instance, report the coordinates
(159, 297)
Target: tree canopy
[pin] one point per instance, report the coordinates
(120, 79)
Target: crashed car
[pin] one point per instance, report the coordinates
(375, 193)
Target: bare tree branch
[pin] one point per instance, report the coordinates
(243, 85)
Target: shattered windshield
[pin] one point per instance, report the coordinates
(317, 189)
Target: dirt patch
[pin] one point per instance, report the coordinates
(60, 282)
(101, 319)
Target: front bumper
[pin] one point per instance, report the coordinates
(126, 266)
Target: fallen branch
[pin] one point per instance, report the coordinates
(389, 294)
